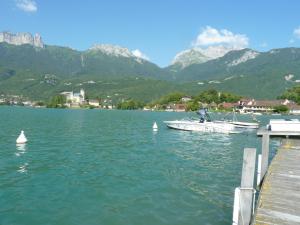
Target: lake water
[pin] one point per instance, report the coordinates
(109, 167)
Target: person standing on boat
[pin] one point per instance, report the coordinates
(202, 112)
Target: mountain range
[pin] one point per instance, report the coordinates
(33, 69)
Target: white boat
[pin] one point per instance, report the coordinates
(205, 126)
(244, 125)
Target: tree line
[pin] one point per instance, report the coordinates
(206, 97)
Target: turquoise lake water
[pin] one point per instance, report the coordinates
(109, 167)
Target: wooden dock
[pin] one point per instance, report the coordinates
(279, 198)
(278, 183)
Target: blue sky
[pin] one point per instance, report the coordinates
(158, 28)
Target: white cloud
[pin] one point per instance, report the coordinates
(27, 5)
(297, 32)
(291, 41)
(139, 54)
(211, 36)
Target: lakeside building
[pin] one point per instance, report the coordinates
(294, 109)
(176, 108)
(28, 103)
(186, 99)
(228, 105)
(94, 102)
(242, 106)
(73, 98)
(261, 106)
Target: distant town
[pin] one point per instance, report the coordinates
(174, 102)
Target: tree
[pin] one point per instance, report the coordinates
(208, 96)
(212, 95)
(40, 103)
(281, 109)
(229, 97)
(130, 105)
(174, 97)
(192, 106)
(57, 101)
(292, 94)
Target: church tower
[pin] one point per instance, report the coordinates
(82, 93)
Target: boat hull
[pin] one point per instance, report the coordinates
(245, 125)
(208, 127)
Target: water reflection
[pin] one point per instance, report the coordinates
(198, 143)
(23, 168)
(21, 149)
(191, 137)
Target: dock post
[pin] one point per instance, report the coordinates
(258, 178)
(265, 155)
(246, 192)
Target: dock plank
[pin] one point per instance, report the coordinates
(279, 198)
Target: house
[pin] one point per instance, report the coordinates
(94, 102)
(27, 103)
(213, 105)
(74, 98)
(176, 108)
(252, 105)
(294, 108)
(228, 105)
(186, 99)
(180, 107)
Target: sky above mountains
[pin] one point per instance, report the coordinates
(157, 29)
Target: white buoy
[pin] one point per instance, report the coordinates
(155, 127)
(22, 138)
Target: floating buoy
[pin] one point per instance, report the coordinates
(22, 138)
(155, 127)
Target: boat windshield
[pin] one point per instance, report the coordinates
(204, 116)
(230, 116)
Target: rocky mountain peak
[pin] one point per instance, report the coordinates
(117, 51)
(200, 55)
(189, 57)
(247, 55)
(113, 50)
(21, 39)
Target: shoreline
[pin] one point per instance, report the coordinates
(115, 109)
